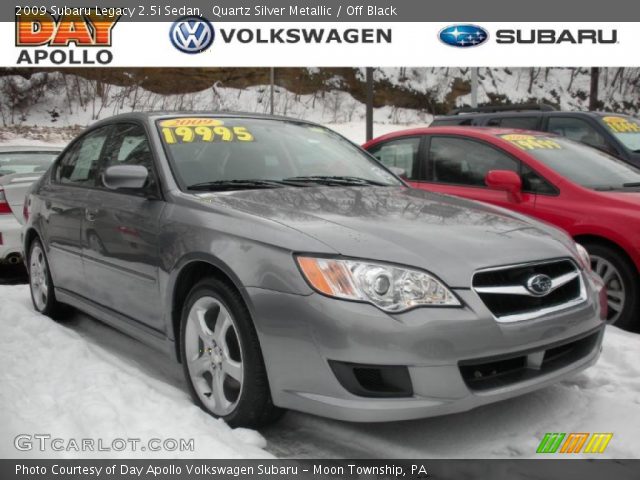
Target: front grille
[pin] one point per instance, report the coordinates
(487, 374)
(508, 294)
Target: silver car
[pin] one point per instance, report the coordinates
(286, 269)
(20, 166)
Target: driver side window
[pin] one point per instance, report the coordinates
(459, 161)
(128, 145)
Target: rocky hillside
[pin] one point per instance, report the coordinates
(48, 97)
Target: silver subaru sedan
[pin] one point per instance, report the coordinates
(285, 268)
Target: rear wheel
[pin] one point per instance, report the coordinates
(42, 291)
(221, 357)
(621, 280)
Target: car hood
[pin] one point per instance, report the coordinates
(630, 199)
(448, 236)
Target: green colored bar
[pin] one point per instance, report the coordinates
(550, 442)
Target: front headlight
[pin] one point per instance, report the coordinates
(390, 288)
(583, 256)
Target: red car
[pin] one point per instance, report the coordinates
(591, 195)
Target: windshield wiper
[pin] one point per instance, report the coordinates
(335, 180)
(631, 184)
(235, 185)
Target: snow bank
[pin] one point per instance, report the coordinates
(84, 380)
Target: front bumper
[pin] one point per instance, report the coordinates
(301, 335)
(10, 230)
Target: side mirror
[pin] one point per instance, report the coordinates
(506, 181)
(400, 172)
(125, 176)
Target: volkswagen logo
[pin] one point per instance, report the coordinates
(539, 285)
(191, 34)
(463, 36)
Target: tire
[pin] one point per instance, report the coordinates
(41, 285)
(221, 357)
(622, 282)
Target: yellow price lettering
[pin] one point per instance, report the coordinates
(205, 133)
(169, 137)
(242, 134)
(533, 144)
(223, 132)
(185, 133)
(627, 127)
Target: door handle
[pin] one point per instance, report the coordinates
(90, 214)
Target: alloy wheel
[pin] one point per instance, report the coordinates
(612, 279)
(214, 356)
(38, 278)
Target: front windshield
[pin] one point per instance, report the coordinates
(25, 162)
(626, 129)
(579, 163)
(205, 151)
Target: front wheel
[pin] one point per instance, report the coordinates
(621, 280)
(221, 357)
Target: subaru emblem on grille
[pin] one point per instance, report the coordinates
(539, 284)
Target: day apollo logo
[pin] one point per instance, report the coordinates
(463, 35)
(69, 34)
(192, 34)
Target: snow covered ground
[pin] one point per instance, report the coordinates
(83, 379)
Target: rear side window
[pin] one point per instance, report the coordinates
(578, 130)
(525, 123)
(400, 153)
(79, 165)
(460, 161)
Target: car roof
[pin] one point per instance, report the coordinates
(524, 112)
(152, 116)
(477, 132)
(29, 148)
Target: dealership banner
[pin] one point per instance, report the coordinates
(329, 33)
(198, 469)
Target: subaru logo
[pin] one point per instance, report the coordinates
(539, 285)
(463, 35)
(191, 34)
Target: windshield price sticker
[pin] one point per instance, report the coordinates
(532, 142)
(188, 130)
(622, 124)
